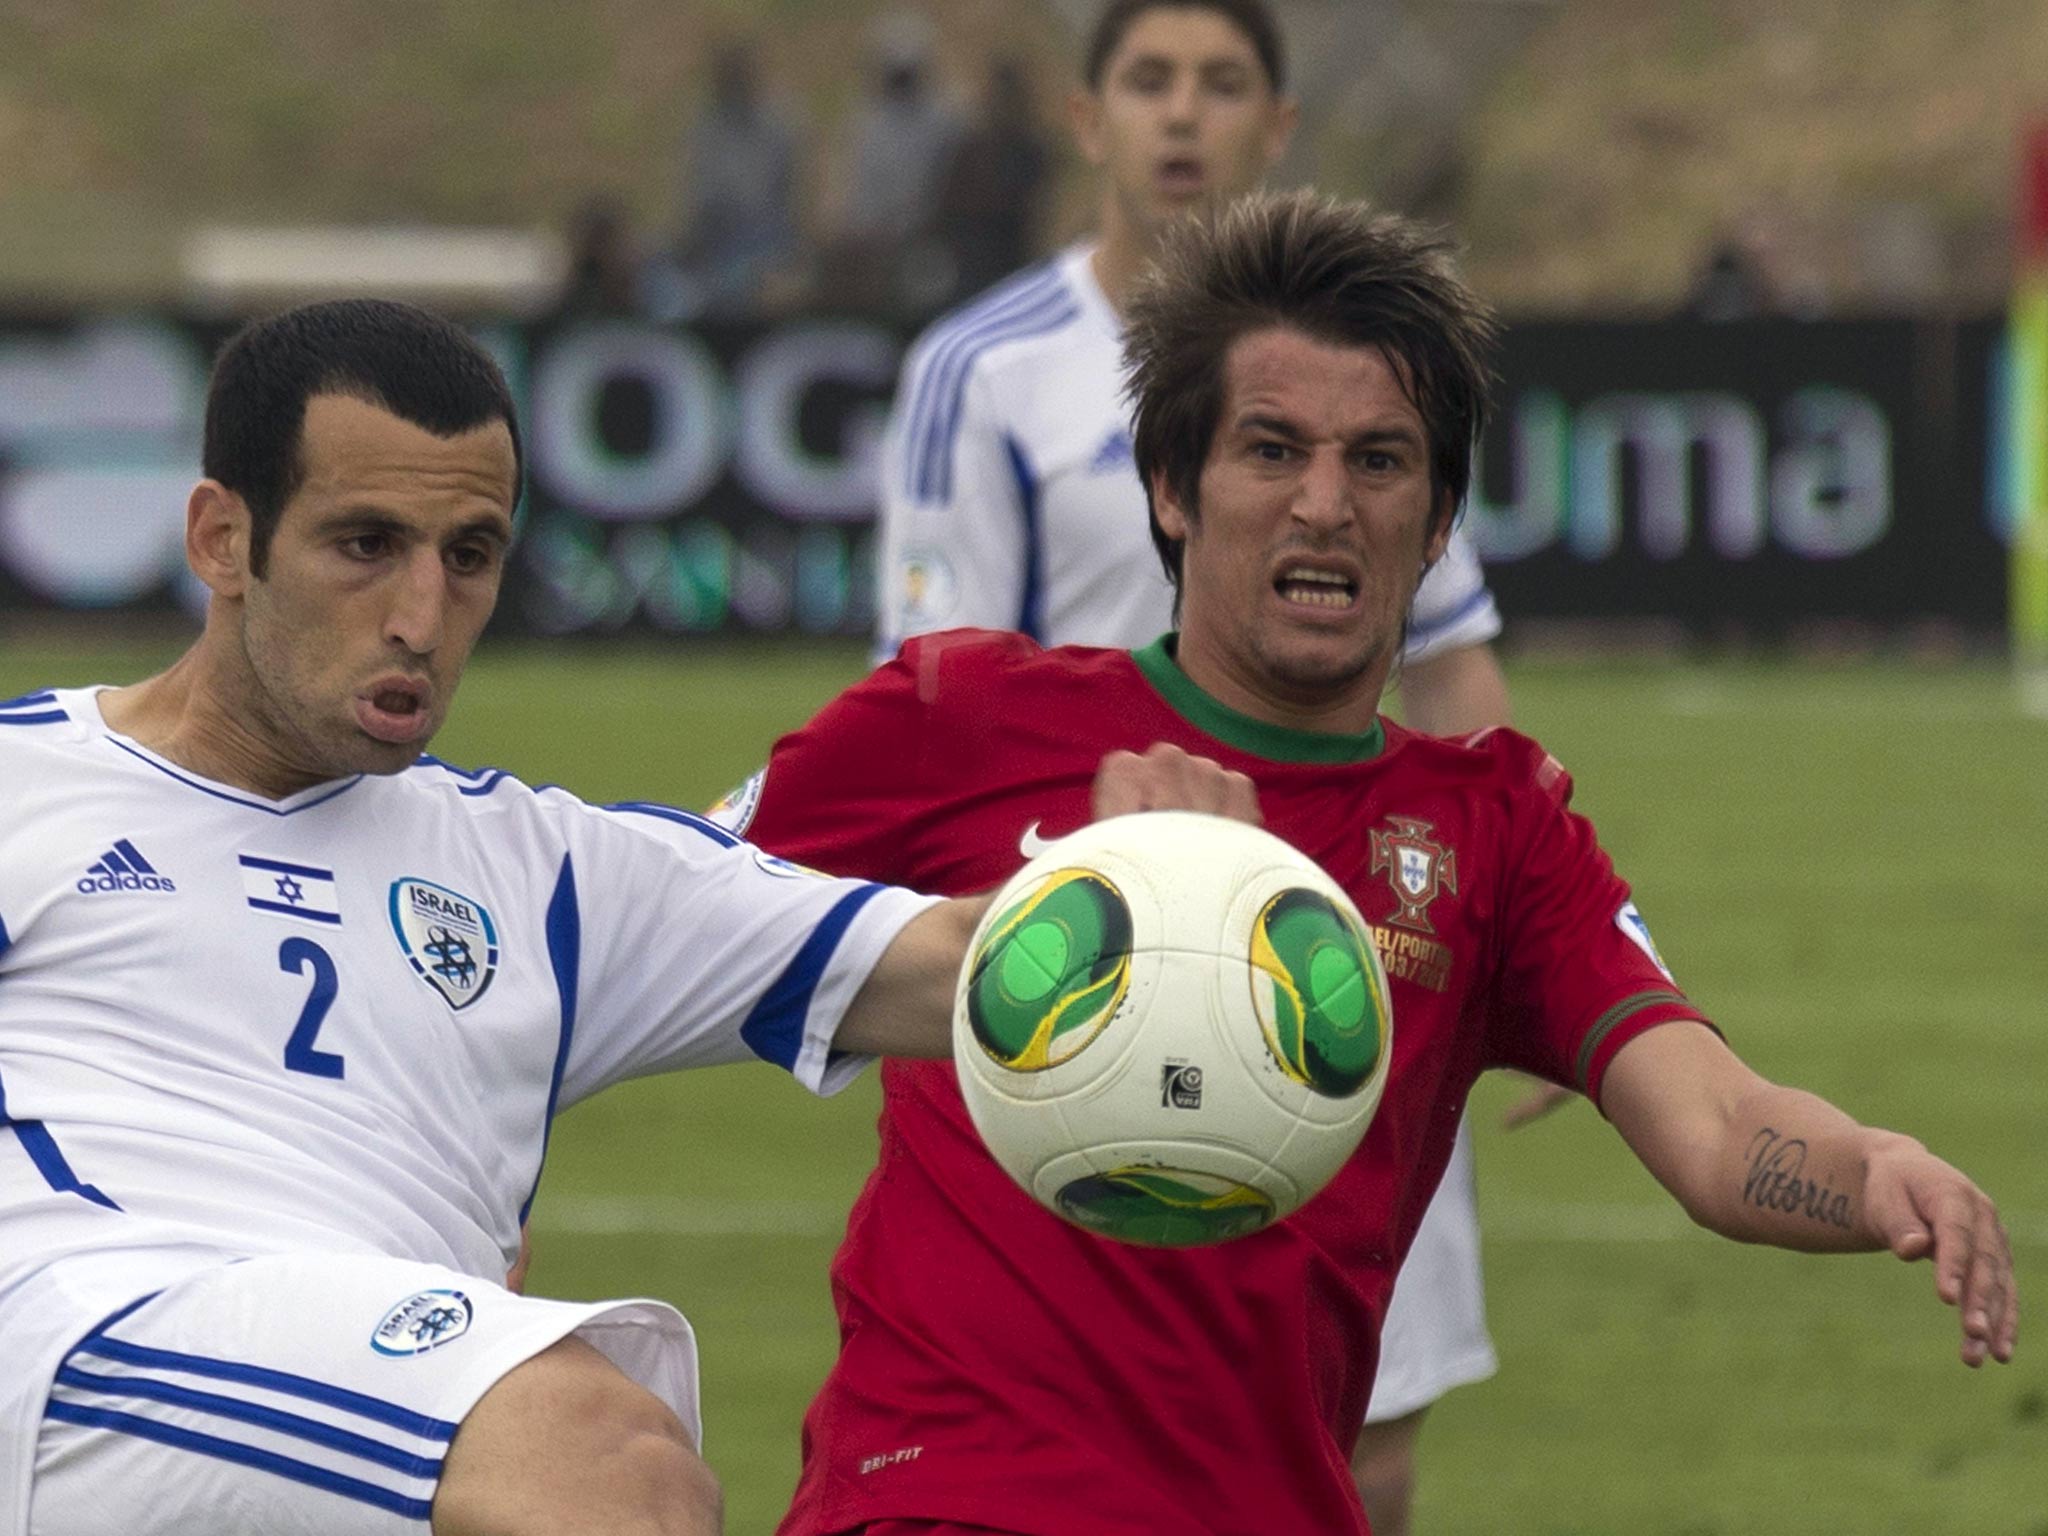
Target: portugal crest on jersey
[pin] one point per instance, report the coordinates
(1418, 870)
(448, 939)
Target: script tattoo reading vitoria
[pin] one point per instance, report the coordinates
(1775, 1181)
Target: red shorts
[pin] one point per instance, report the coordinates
(922, 1528)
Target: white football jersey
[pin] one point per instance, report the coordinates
(1010, 497)
(343, 1021)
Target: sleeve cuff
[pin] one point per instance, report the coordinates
(1620, 1024)
(870, 930)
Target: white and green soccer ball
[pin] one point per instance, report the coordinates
(1172, 1028)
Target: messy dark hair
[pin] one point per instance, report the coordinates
(1335, 271)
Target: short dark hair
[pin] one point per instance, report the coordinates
(1254, 18)
(1337, 272)
(397, 357)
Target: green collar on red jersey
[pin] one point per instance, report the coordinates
(1279, 743)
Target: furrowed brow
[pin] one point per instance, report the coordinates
(1388, 437)
(1263, 424)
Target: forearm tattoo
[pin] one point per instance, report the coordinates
(1776, 1181)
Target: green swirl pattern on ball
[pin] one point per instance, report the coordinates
(1319, 995)
(1051, 971)
(1164, 1207)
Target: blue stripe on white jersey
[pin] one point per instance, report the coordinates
(1031, 305)
(33, 709)
(475, 781)
(1031, 608)
(245, 1456)
(690, 819)
(396, 1458)
(564, 931)
(1049, 314)
(285, 1383)
(42, 1148)
(1421, 634)
(234, 797)
(921, 396)
(774, 1031)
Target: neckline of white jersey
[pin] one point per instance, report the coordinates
(299, 800)
(1077, 266)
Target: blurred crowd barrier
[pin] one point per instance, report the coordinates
(1729, 480)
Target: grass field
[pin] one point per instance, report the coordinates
(1847, 866)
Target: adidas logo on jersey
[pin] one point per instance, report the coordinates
(123, 868)
(1115, 455)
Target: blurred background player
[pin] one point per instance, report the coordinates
(900, 138)
(1309, 379)
(1009, 501)
(739, 202)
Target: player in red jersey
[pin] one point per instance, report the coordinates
(1308, 381)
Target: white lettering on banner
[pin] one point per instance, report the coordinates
(1825, 493)
(1531, 519)
(702, 423)
(1831, 490)
(692, 421)
(774, 379)
(99, 436)
(1662, 431)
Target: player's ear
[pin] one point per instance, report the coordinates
(1084, 118)
(1280, 129)
(1167, 509)
(1440, 531)
(217, 538)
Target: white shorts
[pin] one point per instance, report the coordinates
(1435, 1335)
(305, 1395)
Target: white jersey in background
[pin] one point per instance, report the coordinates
(341, 1022)
(1010, 498)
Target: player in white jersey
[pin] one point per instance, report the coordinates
(286, 1009)
(1010, 500)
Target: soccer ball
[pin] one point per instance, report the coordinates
(1171, 1028)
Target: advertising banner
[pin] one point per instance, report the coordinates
(1748, 476)
(1744, 477)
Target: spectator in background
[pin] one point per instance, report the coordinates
(739, 220)
(1731, 285)
(992, 200)
(901, 141)
(1754, 269)
(604, 269)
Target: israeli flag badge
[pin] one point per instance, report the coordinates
(448, 939)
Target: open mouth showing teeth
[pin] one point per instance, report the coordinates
(1316, 589)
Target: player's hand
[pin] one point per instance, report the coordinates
(1164, 778)
(516, 1280)
(1921, 1208)
(1539, 1101)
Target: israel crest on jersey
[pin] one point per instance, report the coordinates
(448, 938)
(422, 1322)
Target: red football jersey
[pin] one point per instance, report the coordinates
(1001, 1367)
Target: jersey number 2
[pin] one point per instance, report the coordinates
(295, 956)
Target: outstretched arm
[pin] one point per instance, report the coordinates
(1766, 1164)
(905, 1007)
